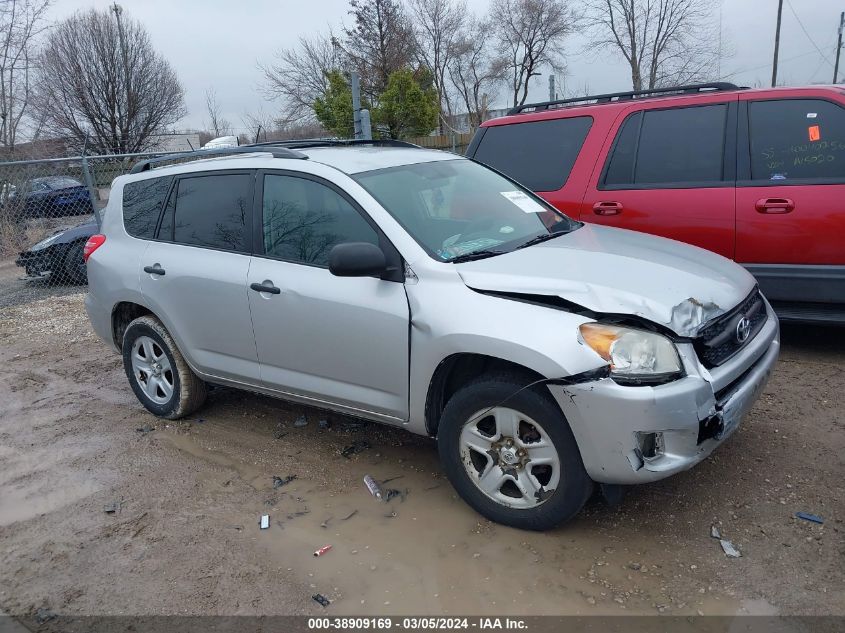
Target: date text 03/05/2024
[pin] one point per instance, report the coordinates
(416, 623)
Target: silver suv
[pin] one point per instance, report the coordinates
(423, 290)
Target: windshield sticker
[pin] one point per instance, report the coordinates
(815, 133)
(524, 202)
(506, 229)
(778, 176)
(812, 115)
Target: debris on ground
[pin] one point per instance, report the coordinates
(325, 524)
(300, 422)
(813, 518)
(112, 507)
(350, 515)
(729, 549)
(143, 430)
(200, 420)
(387, 481)
(714, 532)
(392, 493)
(278, 482)
(43, 615)
(279, 431)
(321, 599)
(265, 522)
(323, 424)
(352, 426)
(322, 550)
(391, 515)
(373, 486)
(358, 446)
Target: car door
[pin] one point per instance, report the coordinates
(194, 275)
(670, 172)
(791, 196)
(339, 341)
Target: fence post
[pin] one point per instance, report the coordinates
(92, 193)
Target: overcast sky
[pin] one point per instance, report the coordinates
(219, 43)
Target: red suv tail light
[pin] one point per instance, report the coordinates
(94, 242)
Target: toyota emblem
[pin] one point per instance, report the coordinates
(743, 330)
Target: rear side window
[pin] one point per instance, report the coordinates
(797, 139)
(539, 154)
(304, 220)
(213, 211)
(669, 147)
(142, 203)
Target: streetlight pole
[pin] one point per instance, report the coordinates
(838, 47)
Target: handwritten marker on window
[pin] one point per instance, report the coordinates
(815, 133)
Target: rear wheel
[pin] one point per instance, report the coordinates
(516, 462)
(157, 371)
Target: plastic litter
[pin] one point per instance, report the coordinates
(43, 615)
(265, 522)
(714, 532)
(358, 446)
(300, 422)
(392, 493)
(813, 518)
(350, 515)
(321, 599)
(323, 424)
(729, 549)
(322, 550)
(143, 430)
(278, 482)
(373, 486)
(112, 508)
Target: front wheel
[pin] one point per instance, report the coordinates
(516, 462)
(157, 371)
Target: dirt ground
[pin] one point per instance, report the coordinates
(186, 539)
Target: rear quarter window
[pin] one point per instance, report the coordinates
(142, 204)
(537, 154)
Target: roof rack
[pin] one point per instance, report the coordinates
(332, 142)
(613, 97)
(281, 152)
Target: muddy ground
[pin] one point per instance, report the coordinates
(186, 537)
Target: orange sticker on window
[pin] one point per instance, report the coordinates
(815, 132)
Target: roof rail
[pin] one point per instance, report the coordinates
(613, 97)
(333, 142)
(281, 152)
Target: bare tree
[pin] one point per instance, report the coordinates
(101, 80)
(437, 26)
(531, 33)
(475, 71)
(665, 42)
(21, 22)
(298, 75)
(380, 42)
(217, 125)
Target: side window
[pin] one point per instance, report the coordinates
(539, 154)
(213, 211)
(304, 219)
(142, 202)
(796, 138)
(666, 147)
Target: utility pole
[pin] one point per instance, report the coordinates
(551, 87)
(838, 47)
(130, 106)
(355, 84)
(777, 46)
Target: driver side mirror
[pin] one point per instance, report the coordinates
(357, 259)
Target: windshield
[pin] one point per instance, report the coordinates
(457, 208)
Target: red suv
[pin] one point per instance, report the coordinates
(755, 175)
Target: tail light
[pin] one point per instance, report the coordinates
(94, 242)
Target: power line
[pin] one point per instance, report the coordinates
(812, 41)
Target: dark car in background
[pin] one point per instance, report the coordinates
(59, 256)
(49, 196)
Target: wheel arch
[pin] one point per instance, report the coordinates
(123, 313)
(458, 369)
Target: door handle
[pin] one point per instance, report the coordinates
(155, 269)
(774, 205)
(607, 208)
(267, 287)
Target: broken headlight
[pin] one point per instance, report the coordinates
(636, 357)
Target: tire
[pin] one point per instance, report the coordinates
(175, 391)
(73, 265)
(538, 432)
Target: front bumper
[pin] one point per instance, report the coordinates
(40, 263)
(692, 416)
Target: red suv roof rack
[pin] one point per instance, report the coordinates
(621, 96)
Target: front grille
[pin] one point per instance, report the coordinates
(719, 342)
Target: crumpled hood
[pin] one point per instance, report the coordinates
(617, 271)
